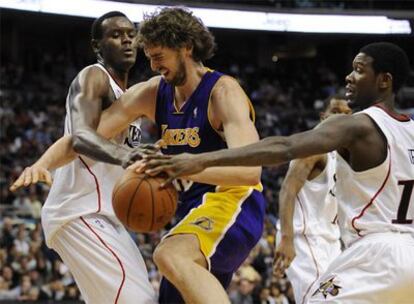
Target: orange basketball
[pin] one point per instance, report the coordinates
(139, 203)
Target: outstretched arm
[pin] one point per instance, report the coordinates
(299, 171)
(337, 132)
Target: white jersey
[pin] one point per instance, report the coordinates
(379, 199)
(315, 205)
(84, 186)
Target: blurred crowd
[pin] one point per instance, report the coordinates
(308, 4)
(287, 99)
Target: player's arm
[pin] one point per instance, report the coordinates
(57, 155)
(299, 171)
(139, 100)
(85, 112)
(337, 132)
(89, 89)
(230, 109)
(86, 115)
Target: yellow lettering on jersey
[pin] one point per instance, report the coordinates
(180, 137)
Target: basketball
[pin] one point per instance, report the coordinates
(140, 204)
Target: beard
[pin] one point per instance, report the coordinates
(181, 75)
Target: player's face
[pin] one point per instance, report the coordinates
(336, 106)
(362, 82)
(118, 45)
(168, 62)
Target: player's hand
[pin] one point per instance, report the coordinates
(284, 255)
(138, 166)
(32, 175)
(137, 154)
(176, 166)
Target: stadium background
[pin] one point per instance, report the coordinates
(286, 75)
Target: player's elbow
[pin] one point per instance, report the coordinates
(79, 138)
(76, 143)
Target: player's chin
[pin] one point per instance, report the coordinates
(352, 101)
(129, 60)
(126, 65)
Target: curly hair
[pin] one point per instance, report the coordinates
(175, 28)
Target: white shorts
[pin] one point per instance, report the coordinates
(313, 255)
(104, 260)
(378, 268)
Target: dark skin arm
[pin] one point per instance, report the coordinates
(86, 112)
(350, 135)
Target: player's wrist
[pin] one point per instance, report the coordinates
(42, 163)
(123, 157)
(206, 160)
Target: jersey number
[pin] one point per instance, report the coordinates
(405, 201)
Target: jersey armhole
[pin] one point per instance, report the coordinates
(252, 115)
(385, 140)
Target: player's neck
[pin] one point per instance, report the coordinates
(387, 102)
(195, 73)
(120, 77)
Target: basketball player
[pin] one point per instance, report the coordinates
(77, 218)
(197, 110)
(375, 180)
(309, 236)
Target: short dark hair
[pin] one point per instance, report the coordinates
(389, 58)
(96, 31)
(327, 100)
(177, 27)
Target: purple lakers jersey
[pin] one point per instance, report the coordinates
(188, 129)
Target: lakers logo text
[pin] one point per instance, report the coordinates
(181, 137)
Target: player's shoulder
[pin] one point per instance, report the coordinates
(227, 82)
(357, 122)
(225, 89)
(363, 123)
(150, 85)
(93, 73)
(154, 82)
(93, 68)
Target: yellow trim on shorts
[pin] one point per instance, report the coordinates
(211, 220)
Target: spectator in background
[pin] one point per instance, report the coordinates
(277, 295)
(20, 242)
(6, 235)
(244, 292)
(35, 206)
(265, 296)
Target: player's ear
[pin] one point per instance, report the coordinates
(322, 115)
(188, 50)
(95, 46)
(385, 80)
